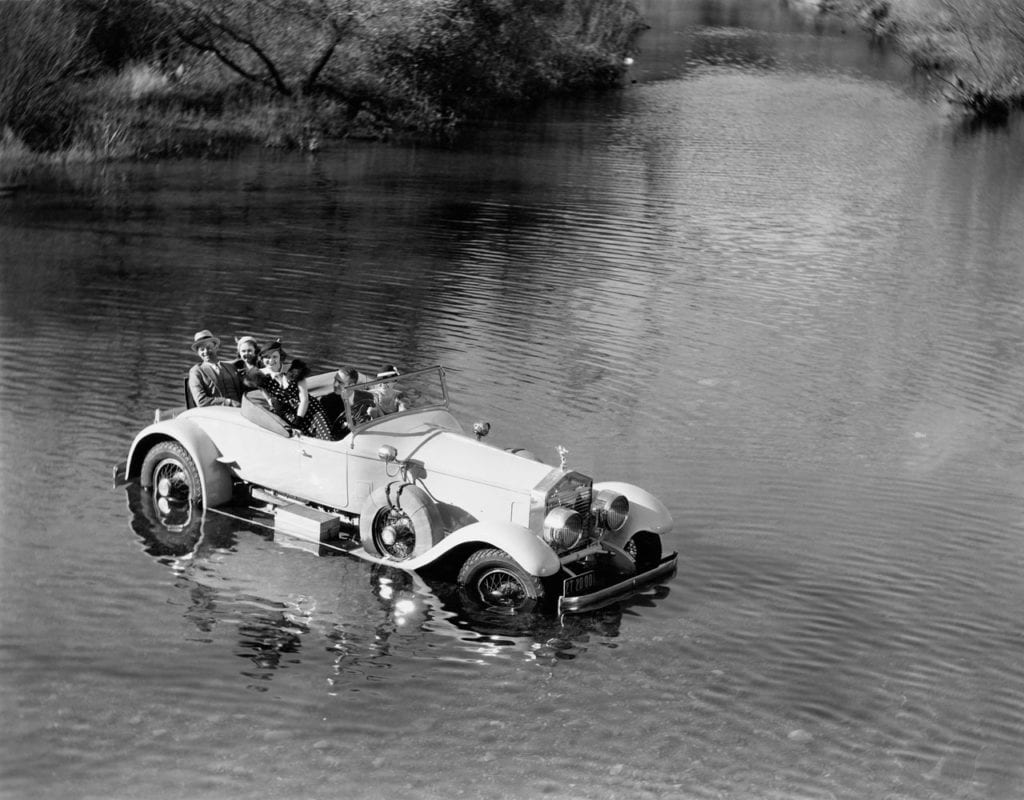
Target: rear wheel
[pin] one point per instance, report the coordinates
(172, 477)
(493, 580)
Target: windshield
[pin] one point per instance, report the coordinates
(396, 394)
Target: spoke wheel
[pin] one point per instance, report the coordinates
(502, 588)
(394, 533)
(399, 522)
(645, 550)
(171, 476)
(492, 579)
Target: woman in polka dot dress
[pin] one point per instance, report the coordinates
(288, 394)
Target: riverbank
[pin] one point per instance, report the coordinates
(973, 48)
(138, 79)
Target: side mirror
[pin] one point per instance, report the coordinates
(481, 429)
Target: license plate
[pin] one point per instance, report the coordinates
(579, 584)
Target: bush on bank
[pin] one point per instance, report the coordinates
(135, 78)
(975, 48)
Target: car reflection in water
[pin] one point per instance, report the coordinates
(233, 571)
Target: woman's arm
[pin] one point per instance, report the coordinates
(303, 399)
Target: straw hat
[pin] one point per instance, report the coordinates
(202, 337)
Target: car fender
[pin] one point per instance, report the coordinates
(215, 476)
(519, 542)
(646, 512)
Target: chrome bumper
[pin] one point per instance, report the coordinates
(665, 569)
(120, 471)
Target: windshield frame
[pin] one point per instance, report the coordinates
(410, 383)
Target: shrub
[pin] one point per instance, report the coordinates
(463, 57)
(129, 77)
(41, 54)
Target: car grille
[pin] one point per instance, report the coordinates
(573, 491)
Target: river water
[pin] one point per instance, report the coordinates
(772, 280)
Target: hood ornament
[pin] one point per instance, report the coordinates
(562, 453)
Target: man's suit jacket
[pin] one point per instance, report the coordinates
(334, 408)
(215, 386)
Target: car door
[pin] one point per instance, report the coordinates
(324, 471)
(260, 456)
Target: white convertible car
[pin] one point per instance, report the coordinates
(412, 489)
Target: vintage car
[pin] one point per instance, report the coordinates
(412, 489)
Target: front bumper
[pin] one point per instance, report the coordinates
(663, 570)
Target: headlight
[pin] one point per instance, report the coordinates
(611, 509)
(563, 528)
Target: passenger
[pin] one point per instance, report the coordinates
(248, 360)
(386, 398)
(213, 382)
(265, 367)
(334, 403)
(288, 394)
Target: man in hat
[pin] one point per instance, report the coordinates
(213, 382)
(387, 398)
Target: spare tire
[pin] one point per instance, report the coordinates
(400, 521)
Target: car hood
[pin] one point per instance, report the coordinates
(464, 457)
(446, 457)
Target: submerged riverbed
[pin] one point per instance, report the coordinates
(772, 281)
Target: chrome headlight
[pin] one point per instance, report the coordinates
(611, 509)
(563, 528)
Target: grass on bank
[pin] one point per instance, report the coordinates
(144, 113)
(974, 48)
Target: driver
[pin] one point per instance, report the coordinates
(334, 406)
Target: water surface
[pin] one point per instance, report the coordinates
(773, 281)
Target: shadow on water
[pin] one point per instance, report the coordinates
(234, 572)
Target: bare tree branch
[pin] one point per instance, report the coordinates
(208, 47)
(965, 30)
(321, 62)
(1014, 30)
(283, 44)
(276, 79)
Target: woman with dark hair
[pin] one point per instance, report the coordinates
(289, 397)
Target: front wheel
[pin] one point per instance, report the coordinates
(645, 550)
(494, 580)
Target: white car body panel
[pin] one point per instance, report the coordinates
(486, 497)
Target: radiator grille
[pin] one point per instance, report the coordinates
(573, 491)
